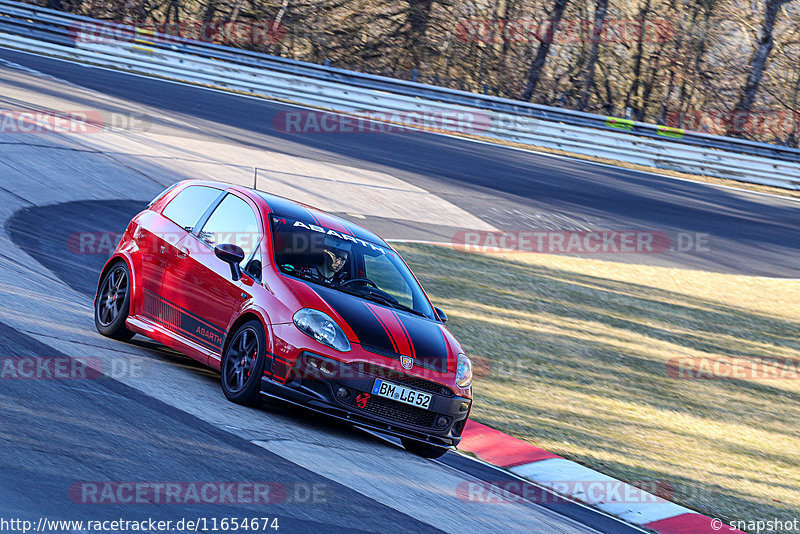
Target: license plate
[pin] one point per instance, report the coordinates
(382, 388)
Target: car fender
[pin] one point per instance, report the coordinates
(125, 256)
(248, 310)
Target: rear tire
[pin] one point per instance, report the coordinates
(113, 302)
(423, 449)
(243, 364)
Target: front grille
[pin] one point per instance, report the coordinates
(397, 411)
(418, 362)
(395, 376)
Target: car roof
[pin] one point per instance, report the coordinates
(284, 207)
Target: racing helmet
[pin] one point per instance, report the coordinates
(335, 253)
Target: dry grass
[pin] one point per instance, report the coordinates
(576, 353)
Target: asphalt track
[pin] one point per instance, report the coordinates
(743, 232)
(171, 422)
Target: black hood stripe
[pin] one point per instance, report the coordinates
(423, 336)
(405, 333)
(383, 325)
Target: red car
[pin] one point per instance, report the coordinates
(289, 302)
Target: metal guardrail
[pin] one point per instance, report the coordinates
(39, 29)
(47, 24)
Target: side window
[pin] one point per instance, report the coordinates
(234, 222)
(189, 205)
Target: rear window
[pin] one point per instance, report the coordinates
(189, 205)
(161, 195)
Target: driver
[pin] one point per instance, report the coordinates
(335, 253)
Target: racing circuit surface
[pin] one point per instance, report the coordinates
(165, 419)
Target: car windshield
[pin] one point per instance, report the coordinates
(347, 264)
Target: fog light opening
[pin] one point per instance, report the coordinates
(342, 392)
(326, 368)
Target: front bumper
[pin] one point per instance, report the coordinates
(309, 386)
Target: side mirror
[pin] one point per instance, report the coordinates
(440, 314)
(232, 255)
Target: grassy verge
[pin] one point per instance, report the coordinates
(575, 353)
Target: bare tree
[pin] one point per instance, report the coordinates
(600, 10)
(758, 60)
(535, 70)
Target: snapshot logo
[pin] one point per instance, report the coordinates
(759, 122)
(381, 122)
(210, 492)
(69, 368)
(569, 31)
(587, 491)
(69, 122)
(227, 33)
(733, 368)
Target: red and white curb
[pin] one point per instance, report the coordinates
(580, 483)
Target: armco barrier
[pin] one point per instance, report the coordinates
(53, 33)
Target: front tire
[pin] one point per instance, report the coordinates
(423, 449)
(113, 302)
(243, 364)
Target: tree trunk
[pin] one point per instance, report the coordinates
(210, 11)
(600, 10)
(633, 91)
(173, 12)
(559, 6)
(419, 14)
(759, 58)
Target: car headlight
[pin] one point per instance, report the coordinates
(463, 371)
(321, 327)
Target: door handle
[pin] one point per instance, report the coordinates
(163, 249)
